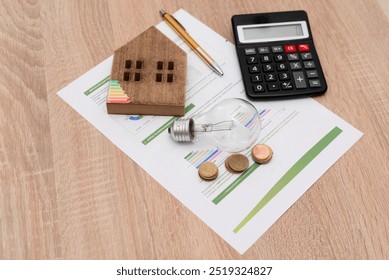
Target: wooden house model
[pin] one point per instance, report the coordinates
(148, 77)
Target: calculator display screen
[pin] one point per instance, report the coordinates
(269, 32)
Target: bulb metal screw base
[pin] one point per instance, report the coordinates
(181, 130)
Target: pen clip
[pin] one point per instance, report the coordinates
(178, 23)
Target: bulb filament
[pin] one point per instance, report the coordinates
(208, 127)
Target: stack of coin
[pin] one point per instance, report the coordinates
(236, 163)
(261, 153)
(208, 171)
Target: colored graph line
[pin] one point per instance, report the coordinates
(245, 118)
(263, 112)
(290, 174)
(198, 157)
(250, 121)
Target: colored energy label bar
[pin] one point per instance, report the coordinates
(116, 94)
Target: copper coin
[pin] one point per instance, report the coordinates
(208, 171)
(210, 178)
(237, 163)
(229, 169)
(261, 153)
(227, 165)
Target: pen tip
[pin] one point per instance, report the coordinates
(217, 68)
(162, 12)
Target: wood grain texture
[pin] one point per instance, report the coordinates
(147, 96)
(57, 200)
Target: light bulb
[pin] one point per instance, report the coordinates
(232, 125)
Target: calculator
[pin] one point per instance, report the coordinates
(277, 55)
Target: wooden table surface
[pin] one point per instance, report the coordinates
(66, 192)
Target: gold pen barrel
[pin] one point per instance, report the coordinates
(172, 22)
(180, 30)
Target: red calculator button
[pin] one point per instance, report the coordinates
(290, 48)
(303, 48)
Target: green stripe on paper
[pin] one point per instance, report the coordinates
(154, 135)
(291, 173)
(234, 184)
(193, 154)
(188, 155)
(96, 86)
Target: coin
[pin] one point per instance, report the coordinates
(208, 171)
(237, 163)
(227, 165)
(261, 153)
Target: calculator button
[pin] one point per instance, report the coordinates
(293, 56)
(284, 76)
(249, 51)
(314, 83)
(309, 64)
(252, 60)
(272, 86)
(312, 74)
(258, 88)
(306, 56)
(299, 80)
(286, 85)
(303, 47)
(282, 67)
(256, 78)
(295, 65)
(276, 49)
(263, 50)
(254, 69)
(290, 48)
(268, 68)
(270, 77)
(265, 58)
(279, 58)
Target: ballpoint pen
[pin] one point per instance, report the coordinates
(180, 30)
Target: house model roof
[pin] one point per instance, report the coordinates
(148, 77)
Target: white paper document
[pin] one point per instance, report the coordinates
(306, 139)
